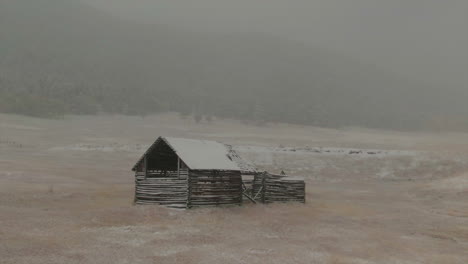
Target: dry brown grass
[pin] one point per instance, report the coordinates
(75, 206)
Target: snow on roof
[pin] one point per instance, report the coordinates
(243, 164)
(202, 154)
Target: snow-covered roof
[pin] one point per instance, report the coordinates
(245, 166)
(201, 154)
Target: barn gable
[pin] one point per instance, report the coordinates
(198, 154)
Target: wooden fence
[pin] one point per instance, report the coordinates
(268, 188)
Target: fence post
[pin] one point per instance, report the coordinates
(264, 175)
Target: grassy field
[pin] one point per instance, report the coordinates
(66, 194)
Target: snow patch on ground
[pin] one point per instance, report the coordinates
(326, 151)
(457, 183)
(111, 147)
(21, 127)
(266, 150)
(10, 174)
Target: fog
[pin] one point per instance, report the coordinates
(363, 101)
(335, 63)
(423, 39)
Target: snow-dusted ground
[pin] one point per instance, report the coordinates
(109, 147)
(325, 151)
(66, 193)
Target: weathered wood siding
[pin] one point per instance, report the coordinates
(211, 188)
(269, 188)
(186, 189)
(284, 190)
(162, 187)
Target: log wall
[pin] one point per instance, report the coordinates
(211, 188)
(185, 189)
(167, 188)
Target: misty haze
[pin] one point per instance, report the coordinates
(365, 101)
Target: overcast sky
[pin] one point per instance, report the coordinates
(423, 39)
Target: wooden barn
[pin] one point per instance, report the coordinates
(184, 173)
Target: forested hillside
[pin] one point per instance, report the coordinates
(61, 56)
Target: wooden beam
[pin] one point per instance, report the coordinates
(189, 189)
(146, 166)
(178, 167)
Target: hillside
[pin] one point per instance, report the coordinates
(60, 57)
